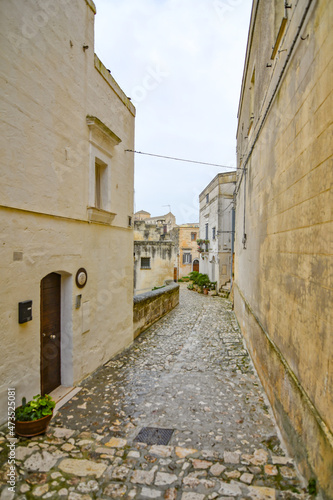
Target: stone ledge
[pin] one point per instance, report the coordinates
(143, 297)
(150, 306)
(100, 216)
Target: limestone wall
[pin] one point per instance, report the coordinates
(157, 269)
(51, 81)
(151, 306)
(283, 265)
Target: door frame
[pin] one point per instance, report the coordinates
(195, 260)
(66, 328)
(50, 351)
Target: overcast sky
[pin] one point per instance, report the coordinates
(181, 62)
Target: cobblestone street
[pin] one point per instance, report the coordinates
(189, 373)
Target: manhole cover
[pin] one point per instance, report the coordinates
(154, 435)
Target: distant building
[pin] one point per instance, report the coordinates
(141, 215)
(216, 205)
(283, 266)
(167, 221)
(154, 256)
(66, 201)
(185, 237)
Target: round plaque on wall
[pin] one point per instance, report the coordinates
(81, 277)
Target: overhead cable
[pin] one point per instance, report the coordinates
(179, 159)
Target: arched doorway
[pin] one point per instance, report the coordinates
(196, 265)
(50, 332)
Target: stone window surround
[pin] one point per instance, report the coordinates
(99, 155)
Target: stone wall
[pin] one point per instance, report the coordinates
(151, 306)
(283, 265)
(161, 255)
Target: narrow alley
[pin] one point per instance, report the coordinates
(190, 375)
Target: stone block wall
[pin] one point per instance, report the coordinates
(283, 263)
(151, 306)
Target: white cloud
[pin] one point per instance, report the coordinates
(181, 61)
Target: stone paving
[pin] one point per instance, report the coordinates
(191, 373)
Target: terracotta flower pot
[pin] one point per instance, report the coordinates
(32, 427)
(205, 291)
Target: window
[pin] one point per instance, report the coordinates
(207, 198)
(213, 233)
(145, 262)
(187, 258)
(206, 231)
(193, 236)
(102, 143)
(101, 187)
(129, 221)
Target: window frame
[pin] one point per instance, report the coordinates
(141, 262)
(186, 260)
(99, 160)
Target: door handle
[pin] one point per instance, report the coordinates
(52, 337)
(44, 334)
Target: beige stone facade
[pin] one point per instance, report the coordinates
(66, 197)
(188, 257)
(283, 266)
(154, 256)
(216, 206)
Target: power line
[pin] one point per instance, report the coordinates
(178, 159)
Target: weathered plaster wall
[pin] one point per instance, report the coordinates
(147, 232)
(151, 306)
(50, 83)
(283, 293)
(162, 257)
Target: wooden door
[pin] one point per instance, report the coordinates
(196, 265)
(50, 363)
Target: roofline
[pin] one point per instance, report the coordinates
(91, 4)
(216, 177)
(253, 18)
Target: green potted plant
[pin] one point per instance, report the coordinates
(204, 283)
(32, 418)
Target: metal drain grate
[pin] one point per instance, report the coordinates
(154, 435)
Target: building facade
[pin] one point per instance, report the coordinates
(167, 221)
(216, 206)
(66, 200)
(154, 256)
(188, 257)
(283, 266)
